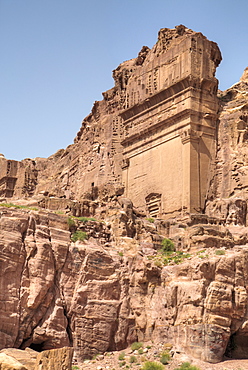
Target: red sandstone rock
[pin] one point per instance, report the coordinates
(104, 293)
(84, 294)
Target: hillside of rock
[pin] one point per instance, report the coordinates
(137, 231)
(163, 101)
(108, 291)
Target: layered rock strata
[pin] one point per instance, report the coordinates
(114, 287)
(98, 296)
(55, 359)
(160, 114)
(228, 191)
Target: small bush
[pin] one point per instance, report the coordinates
(150, 219)
(132, 359)
(167, 246)
(140, 351)
(8, 205)
(123, 363)
(71, 223)
(121, 356)
(165, 358)
(220, 252)
(150, 365)
(18, 206)
(85, 219)
(187, 366)
(170, 258)
(79, 235)
(136, 346)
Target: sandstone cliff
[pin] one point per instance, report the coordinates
(229, 185)
(162, 137)
(110, 290)
(161, 111)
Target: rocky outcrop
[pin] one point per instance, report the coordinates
(98, 296)
(80, 264)
(24, 359)
(55, 359)
(229, 184)
(160, 114)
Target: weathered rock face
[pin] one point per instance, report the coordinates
(160, 114)
(107, 291)
(228, 191)
(56, 293)
(88, 295)
(17, 177)
(54, 359)
(231, 178)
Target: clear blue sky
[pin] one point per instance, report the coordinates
(57, 57)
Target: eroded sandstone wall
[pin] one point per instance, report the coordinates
(228, 191)
(108, 291)
(88, 295)
(154, 133)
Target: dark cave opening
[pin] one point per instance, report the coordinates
(230, 346)
(237, 347)
(38, 347)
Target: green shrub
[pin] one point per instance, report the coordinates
(220, 252)
(123, 363)
(170, 258)
(79, 235)
(167, 246)
(150, 365)
(150, 219)
(132, 359)
(140, 351)
(8, 205)
(71, 223)
(165, 358)
(136, 345)
(85, 219)
(187, 366)
(121, 356)
(17, 206)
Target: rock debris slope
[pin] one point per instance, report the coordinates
(113, 285)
